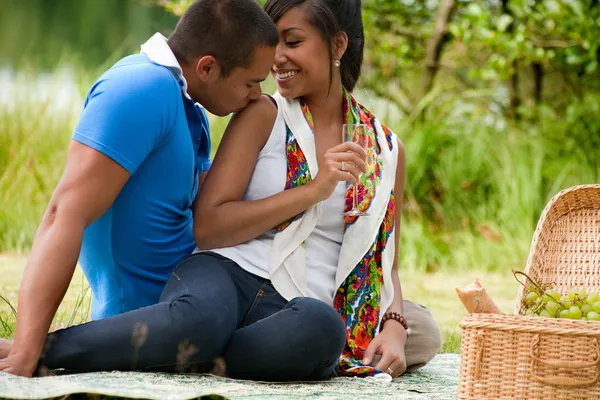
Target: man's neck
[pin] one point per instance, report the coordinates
(189, 74)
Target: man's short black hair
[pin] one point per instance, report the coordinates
(229, 30)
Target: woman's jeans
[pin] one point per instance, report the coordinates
(210, 308)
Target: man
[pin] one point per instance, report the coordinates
(135, 165)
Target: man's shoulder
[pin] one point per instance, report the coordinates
(139, 74)
(130, 110)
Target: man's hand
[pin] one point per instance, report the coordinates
(17, 365)
(5, 348)
(388, 347)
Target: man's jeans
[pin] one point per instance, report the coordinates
(210, 308)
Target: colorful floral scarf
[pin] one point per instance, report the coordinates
(358, 299)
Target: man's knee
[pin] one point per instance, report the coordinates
(425, 339)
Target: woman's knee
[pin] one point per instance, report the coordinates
(322, 325)
(425, 339)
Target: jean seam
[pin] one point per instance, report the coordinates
(265, 294)
(257, 298)
(184, 261)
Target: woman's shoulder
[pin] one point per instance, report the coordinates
(262, 109)
(258, 116)
(263, 118)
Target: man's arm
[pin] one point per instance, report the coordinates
(128, 113)
(90, 184)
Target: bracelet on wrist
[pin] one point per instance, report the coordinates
(397, 317)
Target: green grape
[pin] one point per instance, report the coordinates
(566, 302)
(552, 295)
(539, 301)
(596, 306)
(593, 298)
(593, 316)
(575, 312)
(571, 294)
(564, 314)
(546, 298)
(582, 293)
(531, 297)
(586, 308)
(547, 314)
(552, 307)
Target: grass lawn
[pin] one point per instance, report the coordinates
(435, 291)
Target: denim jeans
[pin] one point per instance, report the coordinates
(210, 308)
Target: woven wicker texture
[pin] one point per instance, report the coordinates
(518, 357)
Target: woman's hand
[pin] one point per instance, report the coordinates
(388, 347)
(344, 162)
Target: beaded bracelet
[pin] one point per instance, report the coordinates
(397, 317)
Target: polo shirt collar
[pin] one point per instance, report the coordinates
(159, 52)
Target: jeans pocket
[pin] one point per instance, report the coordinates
(253, 306)
(268, 290)
(266, 302)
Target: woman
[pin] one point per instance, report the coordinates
(284, 285)
(318, 61)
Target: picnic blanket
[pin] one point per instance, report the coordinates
(438, 380)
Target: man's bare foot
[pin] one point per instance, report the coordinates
(5, 346)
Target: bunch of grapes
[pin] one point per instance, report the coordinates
(576, 304)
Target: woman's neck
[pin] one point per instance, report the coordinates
(326, 106)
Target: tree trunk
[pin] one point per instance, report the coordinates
(538, 76)
(513, 81)
(513, 92)
(435, 44)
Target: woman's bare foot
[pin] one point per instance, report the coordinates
(5, 346)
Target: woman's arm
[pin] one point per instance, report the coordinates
(398, 195)
(222, 218)
(389, 344)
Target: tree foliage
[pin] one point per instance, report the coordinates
(522, 53)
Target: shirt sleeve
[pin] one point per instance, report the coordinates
(128, 113)
(204, 153)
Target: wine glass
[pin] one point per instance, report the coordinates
(359, 134)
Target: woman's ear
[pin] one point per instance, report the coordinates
(340, 44)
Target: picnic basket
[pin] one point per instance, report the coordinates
(523, 357)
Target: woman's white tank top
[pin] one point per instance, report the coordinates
(322, 246)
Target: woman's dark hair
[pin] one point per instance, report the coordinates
(330, 17)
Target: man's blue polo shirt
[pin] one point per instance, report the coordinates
(138, 114)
